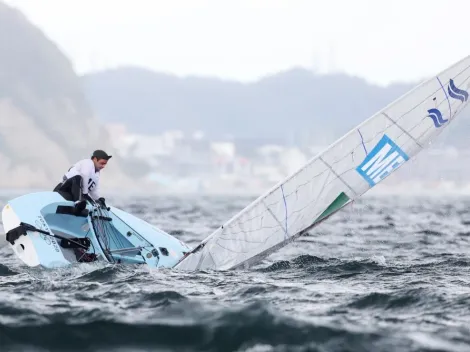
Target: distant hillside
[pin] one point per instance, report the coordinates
(45, 121)
(296, 106)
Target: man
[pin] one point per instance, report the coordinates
(82, 181)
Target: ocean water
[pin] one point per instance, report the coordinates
(388, 274)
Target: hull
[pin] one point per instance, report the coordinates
(43, 231)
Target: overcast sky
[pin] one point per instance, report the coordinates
(244, 40)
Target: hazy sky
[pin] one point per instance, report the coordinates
(379, 40)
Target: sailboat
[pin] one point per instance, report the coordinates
(43, 230)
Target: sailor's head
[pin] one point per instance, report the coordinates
(100, 159)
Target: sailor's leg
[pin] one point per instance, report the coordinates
(76, 191)
(70, 189)
(64, 190)
(76, 187)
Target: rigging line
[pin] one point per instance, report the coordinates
(115, 236)
(33, 228)
(96, 225)
(91, 243)
(135, 232)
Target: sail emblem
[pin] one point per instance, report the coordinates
(457, 93)
(436, 117)
(381, 161)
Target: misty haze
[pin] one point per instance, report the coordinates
(185, 135)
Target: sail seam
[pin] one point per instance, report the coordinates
(401, 128)
(338, 176)
(274, 216)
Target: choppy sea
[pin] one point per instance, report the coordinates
(387, 274)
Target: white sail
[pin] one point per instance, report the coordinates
(344, 171)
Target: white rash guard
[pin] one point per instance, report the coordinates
(90, 177)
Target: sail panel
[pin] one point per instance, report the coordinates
(348, 168)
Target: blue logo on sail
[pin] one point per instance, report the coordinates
(436, 117)
(381, 161)
(457, 93)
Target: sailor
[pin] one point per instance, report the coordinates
(81, 182)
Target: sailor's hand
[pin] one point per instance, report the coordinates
(102, 201)
(88, 198)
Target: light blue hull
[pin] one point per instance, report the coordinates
(42, 231)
